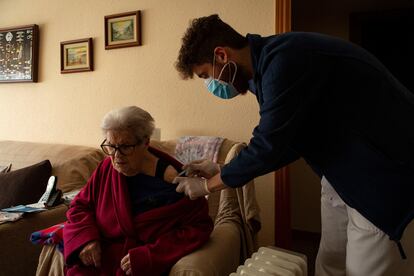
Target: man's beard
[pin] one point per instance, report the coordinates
(241, 82)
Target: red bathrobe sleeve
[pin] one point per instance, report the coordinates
(81, 226)
(167, 240)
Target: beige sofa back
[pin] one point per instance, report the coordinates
(71, 164)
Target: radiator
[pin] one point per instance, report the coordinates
(269, 261)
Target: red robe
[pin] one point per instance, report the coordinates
(155, 240)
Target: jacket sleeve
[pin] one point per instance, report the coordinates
(159, 256)
(81, 226)
(290, 86)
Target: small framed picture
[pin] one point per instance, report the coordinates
(123, 30)
(19, 49)
(76, 56)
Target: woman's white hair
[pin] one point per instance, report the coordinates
(131, 118)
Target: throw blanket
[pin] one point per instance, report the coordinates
(190, 148)
(155, 239)
(240, 205)
(231, 205)
(51, 235)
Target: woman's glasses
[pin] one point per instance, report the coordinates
(123, 149)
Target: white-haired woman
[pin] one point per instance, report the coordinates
(128, 219)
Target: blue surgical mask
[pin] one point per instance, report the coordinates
(221, 88)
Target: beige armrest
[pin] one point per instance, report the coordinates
(219, 256)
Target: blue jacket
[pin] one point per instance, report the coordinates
(335, 105)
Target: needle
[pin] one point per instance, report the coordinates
(182, 173)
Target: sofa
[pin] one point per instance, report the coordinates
(72, 165)
(234, 211)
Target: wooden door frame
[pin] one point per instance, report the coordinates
(283, 18)
(283, 232)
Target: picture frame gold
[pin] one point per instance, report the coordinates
(19, 54)
(123, 30)
(76, 56)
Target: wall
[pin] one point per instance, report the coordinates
(67, 108)
(329, 17)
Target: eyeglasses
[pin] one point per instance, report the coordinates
(123, 149)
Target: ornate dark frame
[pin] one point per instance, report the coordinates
(34, 51)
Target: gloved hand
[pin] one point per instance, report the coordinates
(193, 187)
(204, 168)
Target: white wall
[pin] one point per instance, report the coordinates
(67, 108)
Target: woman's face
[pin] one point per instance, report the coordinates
(130, 164)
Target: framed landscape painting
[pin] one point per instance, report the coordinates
(19, 48)
(76, 56)
(123, 30)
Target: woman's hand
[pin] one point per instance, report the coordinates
(91, 254)
(204, 168)
(126, 265)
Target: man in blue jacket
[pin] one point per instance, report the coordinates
(335, 105)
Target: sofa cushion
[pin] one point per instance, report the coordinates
(72, 164)
(24, 186)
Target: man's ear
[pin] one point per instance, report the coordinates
(221, 54)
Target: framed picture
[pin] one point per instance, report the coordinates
(123, 30)
(19, 50)
(76, 56)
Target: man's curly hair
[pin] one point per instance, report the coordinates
(200, 40)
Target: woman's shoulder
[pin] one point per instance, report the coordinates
(170, 173)
(166, 157)
(165, 170)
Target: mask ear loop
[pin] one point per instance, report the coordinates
(224, 67)
(214, 64)
(229, 73)
(222, 70)
(235, 71)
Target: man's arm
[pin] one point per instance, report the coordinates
(291, 85)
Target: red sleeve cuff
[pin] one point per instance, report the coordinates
(75, 244)
(141, 263)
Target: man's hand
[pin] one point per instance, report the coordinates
(126, 265)
(91, 254)
(204, 168)
(193, 187)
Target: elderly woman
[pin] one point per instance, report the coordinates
(128, 219)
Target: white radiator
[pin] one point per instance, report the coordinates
(274, 261)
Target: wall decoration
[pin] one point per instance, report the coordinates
(123, 30)
(19, 48)
(76, 56)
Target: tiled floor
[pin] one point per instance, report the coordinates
(306, 243)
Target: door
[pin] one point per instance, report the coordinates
(283, 235)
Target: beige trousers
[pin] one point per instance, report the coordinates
(351, 245)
